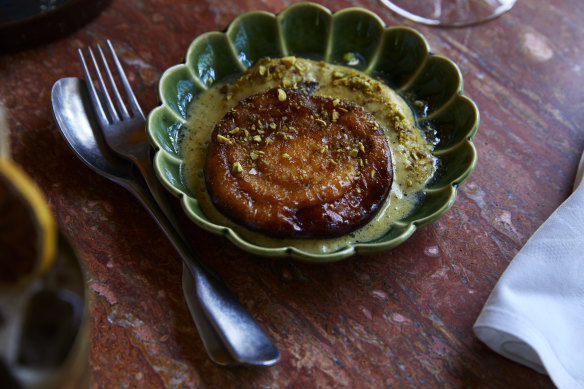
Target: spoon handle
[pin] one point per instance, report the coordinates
(234, 328)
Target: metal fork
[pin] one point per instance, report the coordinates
(223, 323)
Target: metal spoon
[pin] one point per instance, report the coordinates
(228, 333)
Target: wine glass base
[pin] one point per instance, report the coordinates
(449, 13)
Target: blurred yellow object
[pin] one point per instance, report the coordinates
(28, 233)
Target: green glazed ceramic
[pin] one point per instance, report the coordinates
(399, 56)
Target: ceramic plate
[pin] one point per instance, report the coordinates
(399, 56)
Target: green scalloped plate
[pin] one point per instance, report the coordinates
(399, 56)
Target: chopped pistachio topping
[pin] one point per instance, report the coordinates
(361, 147)
(354, 152)
(224, 139)
(234, 131)
(262, 70)
(320, 121)
(350, 58)
(335, 115)
(257, 138)
(299, 66)
(333, 161)
(289, 61)
(281, 94)
(285, 155)
(273, 125)
(237, 168)
(373, 173)
(337, 74)
(255, 154)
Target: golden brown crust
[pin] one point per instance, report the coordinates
(289, 164)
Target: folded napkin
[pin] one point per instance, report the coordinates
(535, 313)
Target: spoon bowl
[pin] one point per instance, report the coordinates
(77, 121)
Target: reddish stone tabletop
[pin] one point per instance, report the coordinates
(402, 318)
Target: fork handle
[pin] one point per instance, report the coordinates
(241, 335)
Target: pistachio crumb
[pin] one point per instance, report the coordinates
(335, 115)
(281, 94)
(234, 131)
(262, 70)
(373, 173)
(320, 121)
(289, 61)
(285, 155)
(333, 161)
(350, 58)
(224, 139)
(273, 125)
(237, 167)
(257, 138)
(353, 153)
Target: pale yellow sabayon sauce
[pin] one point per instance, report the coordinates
(413, 161)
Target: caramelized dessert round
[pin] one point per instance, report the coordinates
(290, 164)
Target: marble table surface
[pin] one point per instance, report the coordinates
(400, 318)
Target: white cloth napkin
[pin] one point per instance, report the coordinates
(535, 313)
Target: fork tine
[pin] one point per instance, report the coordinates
(96, 100)
(129, 93)
(119, 102)
(108, 101)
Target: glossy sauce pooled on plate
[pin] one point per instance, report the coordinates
(413, 162)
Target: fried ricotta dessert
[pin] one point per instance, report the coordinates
(296, 149)
(289, 164)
